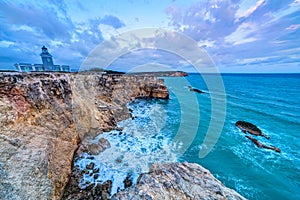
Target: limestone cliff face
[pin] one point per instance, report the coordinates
(100, 100)
(43, 117)
(37, 135)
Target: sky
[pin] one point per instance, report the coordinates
(252, 36)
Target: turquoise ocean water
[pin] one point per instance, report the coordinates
(270, 101)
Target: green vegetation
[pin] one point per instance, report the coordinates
(98, 69)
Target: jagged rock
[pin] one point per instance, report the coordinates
(128, 181)
(100, 146)
(177, 181)
(247, 127)
(93, 191)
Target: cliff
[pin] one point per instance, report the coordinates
(44, 116)
(38, 135)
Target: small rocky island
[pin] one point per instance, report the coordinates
(45, 119)
(248, 127)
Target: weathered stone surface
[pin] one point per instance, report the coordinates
(98, 147)
(100, 100)
(37, 135)
(177, 181)
(43, 116)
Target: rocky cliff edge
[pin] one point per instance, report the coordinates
(44, 116)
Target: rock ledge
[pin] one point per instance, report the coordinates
(177, 181)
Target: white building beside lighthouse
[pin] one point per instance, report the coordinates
(47, 65)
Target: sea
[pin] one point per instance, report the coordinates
(200, 128)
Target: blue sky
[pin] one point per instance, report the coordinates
(239, 35)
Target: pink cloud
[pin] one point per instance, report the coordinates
(293, 27)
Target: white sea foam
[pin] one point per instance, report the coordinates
(140, 144)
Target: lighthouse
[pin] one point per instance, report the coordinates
(46, 59)
(46, 66)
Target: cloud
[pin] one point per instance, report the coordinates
(210, 20)
(112, 21)
(44, 20)
(247, 13)
(25, 28)
(149, 45)
(231, 31)
(239, 31)
(293, 27)
(206, 43)
(243, 34)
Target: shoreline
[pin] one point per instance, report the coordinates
(50, 114)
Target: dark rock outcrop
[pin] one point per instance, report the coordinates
(261, 145)
(247, 127)
(195, 90)
(177, 181)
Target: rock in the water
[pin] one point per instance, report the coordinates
(128, 181)
(195, 90)
(100, 146)
(247, 127)
(177, 181)
(261, 145)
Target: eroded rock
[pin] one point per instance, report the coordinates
(178, 181)
(38, 135)
(98, 147)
